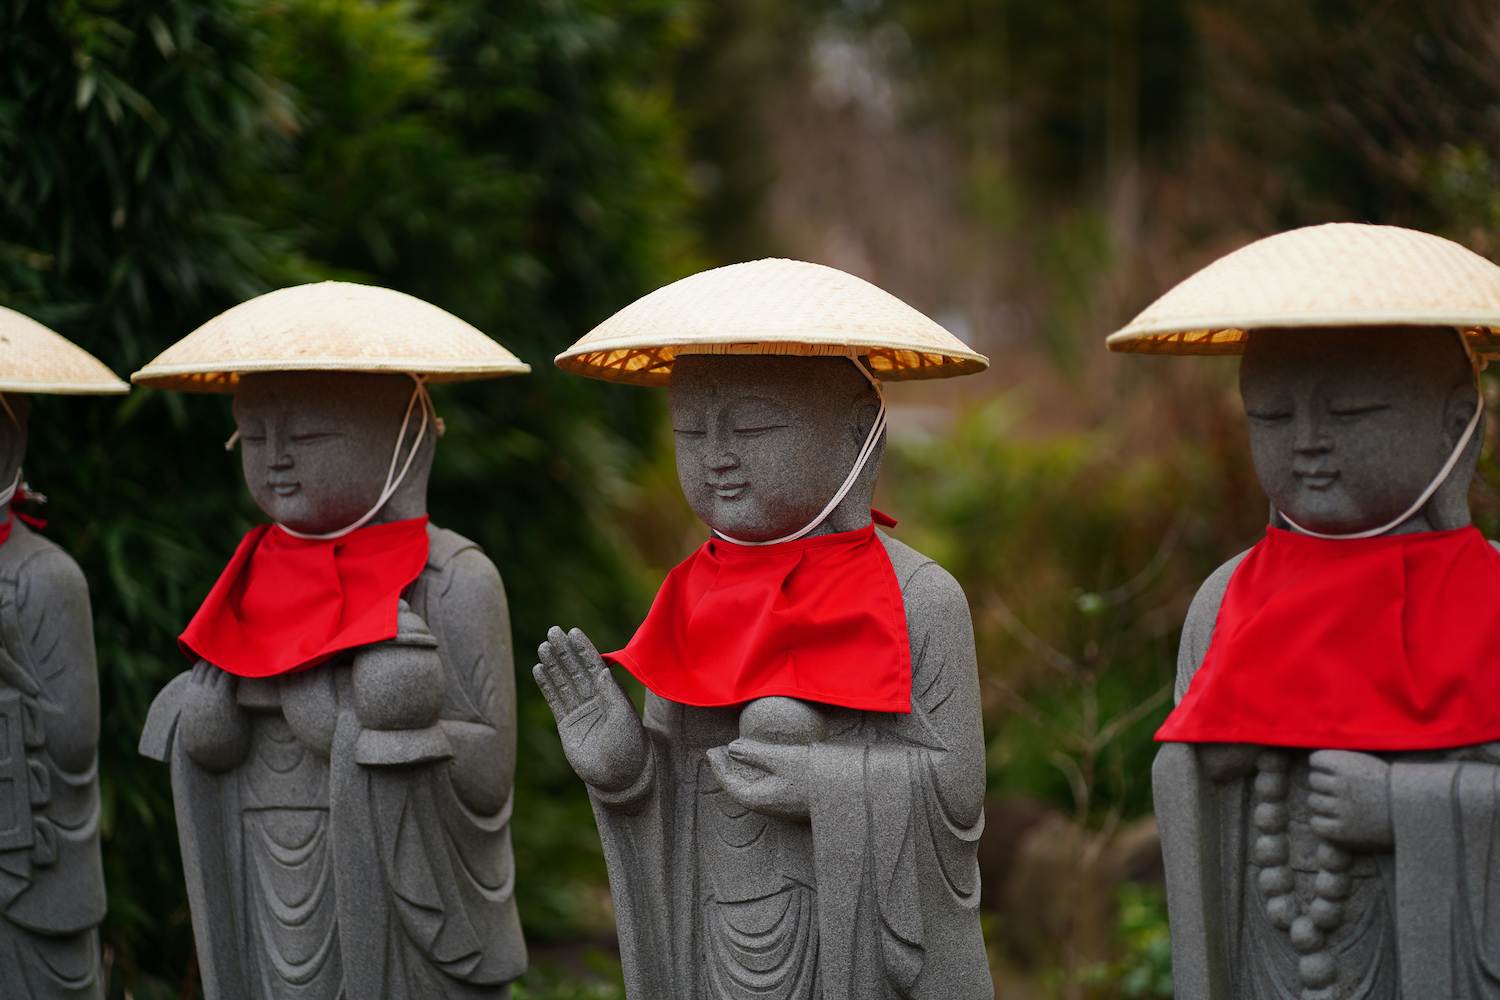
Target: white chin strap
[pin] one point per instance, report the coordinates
(1438, 480)
(871, 440)
(8, 494)
(392, 479)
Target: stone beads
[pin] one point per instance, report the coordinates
(1307, 932)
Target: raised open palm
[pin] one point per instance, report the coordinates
(601, 734)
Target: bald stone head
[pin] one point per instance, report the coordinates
(1349, 424)
(316, 447)
(764, 442)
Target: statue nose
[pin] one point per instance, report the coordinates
(1311, 438)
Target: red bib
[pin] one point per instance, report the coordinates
(284, 602)
(1389, 643)
(819, 618)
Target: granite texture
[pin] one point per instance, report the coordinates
(345, 828)
(1316, 873)
(785, 850)
(51, 878)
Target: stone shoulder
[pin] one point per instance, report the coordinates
(48, 566)
(1198, 627)
(924, 584)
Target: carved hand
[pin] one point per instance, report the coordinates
(1226, 762)
(1351, 800)
(768, 778)
(213, 728)
(601, 734)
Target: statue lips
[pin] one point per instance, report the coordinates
(284, 489)
(1317, 479)
(728, 491)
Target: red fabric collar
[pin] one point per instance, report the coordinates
(819, 618)
(284, 603)
(1371, 644)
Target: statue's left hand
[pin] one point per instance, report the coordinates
(774, 783)
(1351, 800)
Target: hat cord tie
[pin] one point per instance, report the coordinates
(8, 494)
(392, 480)
(860, 462)
(1437, 480)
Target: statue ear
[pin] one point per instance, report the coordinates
(1458, 410)
(1449, 506)
(864, 419)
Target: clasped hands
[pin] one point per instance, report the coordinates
(606, 744)
(1350, 792)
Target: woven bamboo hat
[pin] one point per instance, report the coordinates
(1341, 274)
(776, 306)
(34, 359)
(328, 326)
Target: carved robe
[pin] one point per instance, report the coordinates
(316, 878)
(51, 877)
(875, 898)
(1420, 921)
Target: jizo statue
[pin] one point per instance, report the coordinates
(796, 815)
(1329, 783)
(51, 879)
(342, 748)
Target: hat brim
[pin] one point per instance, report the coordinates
(1225, 335)
(631, 365)
(192, 377)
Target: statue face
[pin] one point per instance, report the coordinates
(1349, 425)
(316, 445)
(763, 443)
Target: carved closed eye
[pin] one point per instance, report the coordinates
(688, 431)
(1357, 411)
(758, 430)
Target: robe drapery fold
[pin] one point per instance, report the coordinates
(886, 862)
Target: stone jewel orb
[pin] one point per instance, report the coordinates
(1347, 856)
(52, 888)
(344, 818)
(765, 844)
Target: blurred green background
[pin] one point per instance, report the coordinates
(1028, 172)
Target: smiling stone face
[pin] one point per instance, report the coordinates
(763, 443)
(1349, 425)
(316, 446)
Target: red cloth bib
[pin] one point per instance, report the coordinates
(284, 602)
(1389, 643)
(819, 618)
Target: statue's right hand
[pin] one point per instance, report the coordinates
(213, 728)
(601, 734)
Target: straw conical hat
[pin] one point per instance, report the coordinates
(328, 326)
(1341, 274)
(34, 359)
(768, 307)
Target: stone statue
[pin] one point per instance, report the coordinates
(51, 878)
(785, 848)
(1328, 785)
(344, 803)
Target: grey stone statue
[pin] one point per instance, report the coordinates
(781, 849)
(1318, 873)
(51, 878)
(345, 828)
